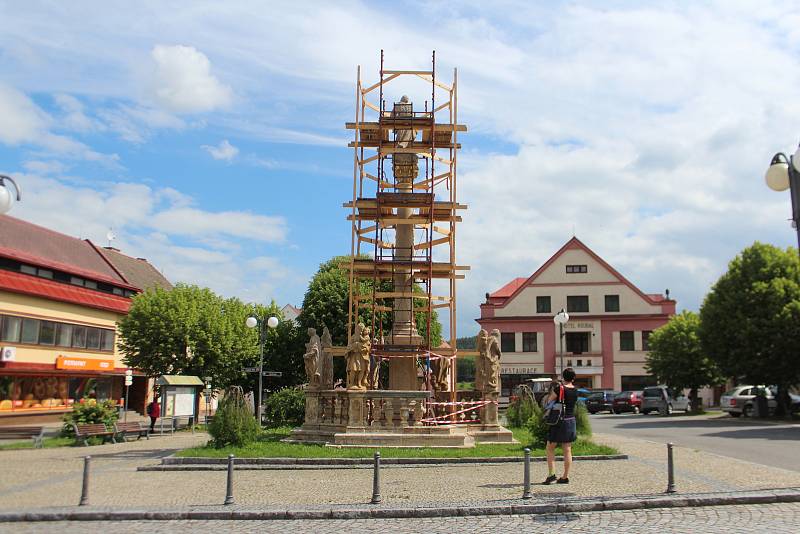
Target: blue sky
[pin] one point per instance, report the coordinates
(209, 135)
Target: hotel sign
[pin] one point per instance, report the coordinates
(83, 364)
(578, 325)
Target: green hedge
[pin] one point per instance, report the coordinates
(286, 407)
(88, 412)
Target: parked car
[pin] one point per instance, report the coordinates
(600, 401)
(628, 401)
(653, 398)
(740, 399)
(583, 394)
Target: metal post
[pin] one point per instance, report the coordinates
(670, 470)
(85, 487)
(526, 491)
(261, 335)
(376, 480)
(561, 342)
(229, 493)
(125, 416)
(794, 191)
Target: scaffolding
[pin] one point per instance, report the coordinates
(403, 214)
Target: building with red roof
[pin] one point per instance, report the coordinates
(60, 300)
(605, 339)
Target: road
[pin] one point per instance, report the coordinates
(773, 518)
(767, 443)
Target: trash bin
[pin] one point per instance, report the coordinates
(760, 406)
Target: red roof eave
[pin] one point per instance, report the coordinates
(40, 287)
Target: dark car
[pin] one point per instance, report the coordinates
(628, 401)
(600, 401)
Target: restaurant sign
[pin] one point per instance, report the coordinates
(72, 363)
(515, 370)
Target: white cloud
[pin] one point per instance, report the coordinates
(184, 83)
(225, 151)
(74, 117)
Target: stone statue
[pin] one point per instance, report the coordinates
(358, 359)
(440, 367)
(312, 359)
(375, 369)
(481, 345)
(487, 366)
(327, 359)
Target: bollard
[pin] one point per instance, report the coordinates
(229, 495)
(376, 480)
(85, 487)
(526, 492)
(670, 470)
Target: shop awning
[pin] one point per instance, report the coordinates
(179, 380)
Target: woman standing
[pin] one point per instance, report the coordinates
(565, 432)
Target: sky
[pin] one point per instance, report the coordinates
(209, 136)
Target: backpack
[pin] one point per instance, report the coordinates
(554, 410)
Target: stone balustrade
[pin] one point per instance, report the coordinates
(371, 410)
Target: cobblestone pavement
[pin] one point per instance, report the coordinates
(772, 518)
(52, 477)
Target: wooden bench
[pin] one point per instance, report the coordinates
(36, 433)
(137, 429)
(84, 432)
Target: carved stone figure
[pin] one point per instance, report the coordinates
(312, 359)
(481, 345)
(374, 369)
(327, 359)
(358, 359)
(440, 367)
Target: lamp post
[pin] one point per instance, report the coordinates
(560, 319)
(128, 382)
(783, 174)
(207, 395)
(6, 199)
(262, 325)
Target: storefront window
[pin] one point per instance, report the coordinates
(50, 392)
(11, 328)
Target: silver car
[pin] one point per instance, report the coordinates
(739, 400)
(656, 398)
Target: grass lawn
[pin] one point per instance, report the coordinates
(47, 443)
(270, 446)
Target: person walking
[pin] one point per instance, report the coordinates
(563, 433)
(154, 411)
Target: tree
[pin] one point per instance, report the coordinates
(188, 330)
(677, 360)
(750, 320)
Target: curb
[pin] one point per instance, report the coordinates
(173, 463)
(596, 504)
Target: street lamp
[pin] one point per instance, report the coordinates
(561, 319)
(252, 322)
(783, 174)
(207, 395)
(6, 199)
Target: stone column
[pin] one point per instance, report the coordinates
(489, 417)
(312, 408)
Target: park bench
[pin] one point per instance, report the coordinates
(136, 428)
(36, 433)
(84, 432)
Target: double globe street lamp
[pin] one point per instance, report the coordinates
(783, 174)
(252, 322)
(6, 198)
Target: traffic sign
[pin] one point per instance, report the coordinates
(272, 373)
(251, 369)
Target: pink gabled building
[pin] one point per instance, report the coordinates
(605, 339)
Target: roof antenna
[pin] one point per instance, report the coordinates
(111, 236)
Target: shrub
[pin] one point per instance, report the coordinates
(87, 412)
(233, 423)
(584, 426)
(519, 411)
(286, 406)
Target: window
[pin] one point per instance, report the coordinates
(646, 339)
(76, 281)
(64, 335)
(91, 284)
(542, 304)
(47, 333)
(92, 338)
(27, 269)
(79, 337)
(529, 342)
(612, 303)
(117, 291)
(580, 363)
(30, 331)
(588, 363)
(11, 329)
(574, 269)
(626, 340)
(507, 342)
(107, 342)
(577, 342)
(44, 273)
(578, 303)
